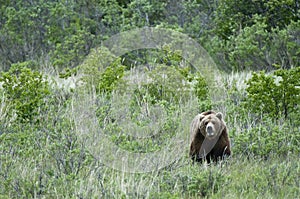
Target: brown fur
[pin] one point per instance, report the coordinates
(214, 147)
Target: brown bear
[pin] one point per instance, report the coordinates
(209, 137)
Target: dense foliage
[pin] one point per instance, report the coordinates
(277, 94)
(153, 93)
(25, 91)
(242, 35)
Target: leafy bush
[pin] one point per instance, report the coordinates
(172, 80)
(166, 83)
(201, 90)
(25, 91)
(246, 38)
(111, 77)
(102, 70)
(71, 50)
(173, 85)
(276, 94)
(247, 49)
(269, 113)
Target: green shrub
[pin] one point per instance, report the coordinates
(175, 85)
(201, 90)
(275, 95)
(166, 85)
(253, 46)
(102, 70)
(25, 90)
(111, 77)
(247, 50)
(262, 118)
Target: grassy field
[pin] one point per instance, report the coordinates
(55, 159)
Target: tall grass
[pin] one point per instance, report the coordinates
(52, 161)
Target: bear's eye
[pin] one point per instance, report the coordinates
(205, 123)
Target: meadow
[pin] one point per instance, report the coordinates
(53, 150)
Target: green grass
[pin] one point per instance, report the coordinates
(238, 178)
(49, 160)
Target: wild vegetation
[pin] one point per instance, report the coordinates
(146, 98)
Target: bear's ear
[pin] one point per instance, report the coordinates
(201, 117)
(219, 115)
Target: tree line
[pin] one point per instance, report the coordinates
(238, 34)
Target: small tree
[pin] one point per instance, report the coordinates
(25, 91)
(276, 94)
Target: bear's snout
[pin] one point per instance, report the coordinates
(210, 130)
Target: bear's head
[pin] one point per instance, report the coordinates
(211, 124)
